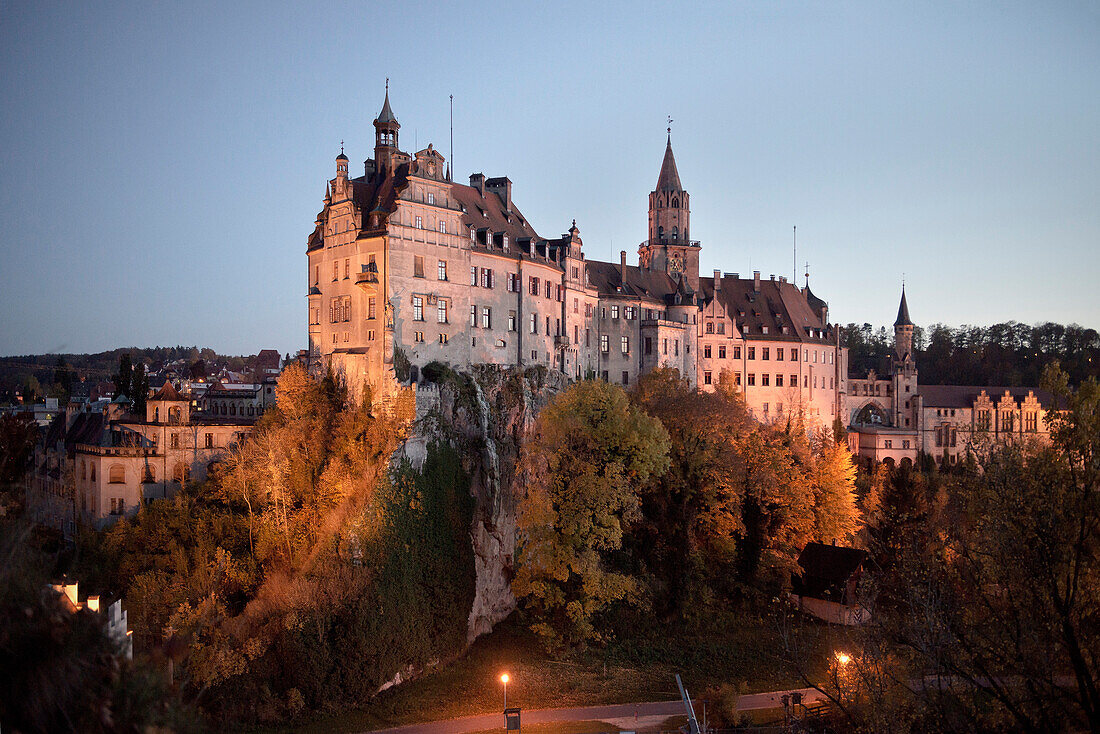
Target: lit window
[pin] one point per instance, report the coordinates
(418, 308)
(625, 344)
(605, 343)
(419, 223)
(441, 311)
(442, 269)
(486, 317)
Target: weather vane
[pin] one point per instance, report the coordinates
(341, 147)
(670, 124)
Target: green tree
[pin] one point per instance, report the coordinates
(125, 375)
(836, 516)
(583, 470)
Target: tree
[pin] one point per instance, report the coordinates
(18, 434)
(125, 375)
(139, 389)
(836, 517)
(582, 474)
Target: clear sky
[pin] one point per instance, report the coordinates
(161, 164)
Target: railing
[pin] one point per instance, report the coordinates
(670, 241)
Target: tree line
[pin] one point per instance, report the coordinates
(1009, 354)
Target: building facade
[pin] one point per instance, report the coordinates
(894, 418)
(407, 267)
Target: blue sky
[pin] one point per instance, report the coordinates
(162, 164)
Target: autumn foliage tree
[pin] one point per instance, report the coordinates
(584, 469)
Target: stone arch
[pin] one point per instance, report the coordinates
(871, 414)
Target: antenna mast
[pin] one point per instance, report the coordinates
(794, 260)
(452, 166)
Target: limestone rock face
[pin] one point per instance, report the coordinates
(486, 414)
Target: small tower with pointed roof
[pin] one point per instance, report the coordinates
(903, 330)
(669, 247)
(905, 368)
(385, 136)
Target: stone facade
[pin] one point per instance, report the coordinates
(407, 266)
(894, 418)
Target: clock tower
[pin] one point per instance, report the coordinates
(669, 247)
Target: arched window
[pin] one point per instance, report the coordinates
(181, 472)
(675, 203)
(174, 415)
(156, 414)
(93, 472)
(675, 232)
(233, 409)
(117, 474)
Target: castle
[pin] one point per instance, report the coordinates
(408, 267)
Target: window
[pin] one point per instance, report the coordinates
(534, 325)
(370, 335)
(737, 352)
(418, 308)
(513, 283)
(473, 275)
(628, 312)
(419, 222)
(174, 441)
(626, 377)
(710, 330)
(336, 270)
(1031, 423)
(706, 378)
(442, 227)
(347, 268)
(765, 407)
(441, 311)
(533, 282)
(721, 351)
(614, 312)
(983, 420)
(117, 474)
(431, 198)
(779, 354)
(765, 380)
(473, 315)
(210, 440)
(511, 321)
(664, 347)
(442, 338)
(548, 284)
(418, 266)
(765, 353)
(794, 355)
(605, 343)
(888, 444)
(706, 351)
(779, 380)
(442, 269)
(752, 353)
(371, 306)
(418, 337)
(486, 317)
(905, 443)
(794, 381)
(576, 306)
(752, 378)
(575, 272)
(676, 347)
(547, 326)
(625, 344)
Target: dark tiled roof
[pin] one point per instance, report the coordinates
(777, 304)
(830, 562)
(488, 212)
(168, 392)
(386, 115)
(903, 312)
(963, 396)
(669, 179)
(639, 282)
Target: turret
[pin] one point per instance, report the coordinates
(903, 331)
(669, 247)
(385, 136)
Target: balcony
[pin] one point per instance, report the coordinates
(561, 341)
(670, 241)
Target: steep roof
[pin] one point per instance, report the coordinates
(639, 282)
(830, 562)
(669, 180)
(168, 392)
(903, 312)
(963, 396)
(775, 305)
(386, 115)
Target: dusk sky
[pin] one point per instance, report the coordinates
(162, 164)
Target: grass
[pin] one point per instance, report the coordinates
(640, 668)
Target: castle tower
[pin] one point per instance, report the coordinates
(669, 247)
(385, 137)
(905, 369)
(903, 331)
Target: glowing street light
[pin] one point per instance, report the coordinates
(843, 658)
(504, 679)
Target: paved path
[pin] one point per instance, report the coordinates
(620, 712)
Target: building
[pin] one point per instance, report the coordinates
(115, 624)
(97, 462)
(406, 267)
(894, 418)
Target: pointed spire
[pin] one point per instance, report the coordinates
(386, 115)
(903, 311)
(669, 180)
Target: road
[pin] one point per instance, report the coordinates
(620, 712)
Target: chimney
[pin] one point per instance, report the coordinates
(717, 280)
(756, 280)
(477, 180)
(502, 187)
(622, 266)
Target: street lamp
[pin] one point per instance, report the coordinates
(504, 679)
(843, 658)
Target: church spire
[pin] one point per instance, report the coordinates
(903, 311)
(669, 180)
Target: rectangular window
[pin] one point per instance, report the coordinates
(419, 222)
(626, 377)
(605, 343)
(737, 352)
(664, 347)
(805, 381)
(511, 321)
(765, 380)
(370, 335)
(473, 275)
(588, 337)
(175, 442)
(794, 381)
(418, 266)
(210, 440)
(347, 268)
(721, 352)
(418, 337)
(706, 378)
(778, 379)
(442, 269)
(534, 325)
(779, 354)
(706, 351)
(442, 227)
(441, 311)
(752, 378)
(737, 379)
(473, 315)
(614, 312)
(765, 353)
(547, 326)
(336, 270)
(418, 308)
(371, 313)
(888, 444)
(442, 338)
(548, 284)
(576, 306)
(431, 198)
(710, 330)
(486, 317)
(721, 327)
(794, 355)
(625, 343)
(752, 352)
(676, 347)
(533, 282)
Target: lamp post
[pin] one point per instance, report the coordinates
(504, 679)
